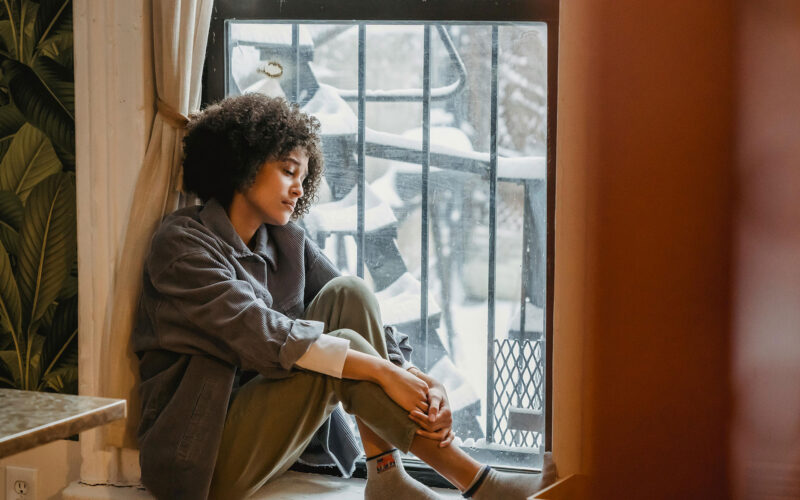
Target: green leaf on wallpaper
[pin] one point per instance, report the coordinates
(30, 159)
(11, 211)
(61, 336)
(64, 378)
(9, 12)
(53, 31)
(38, 265)
(10, 359)
(58, 80)
(33, 368)
(50, 19)
(6, 378)
(59, 48)
(45, 103)
(10, 122)
(27, 23)
(10, 301)
(70, 288)
(47, 244)
(8, 42)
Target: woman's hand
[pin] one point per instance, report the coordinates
(408, 391)
(405, 389)
(437, 422)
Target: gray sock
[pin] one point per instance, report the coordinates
(492, 485)
(386, 478)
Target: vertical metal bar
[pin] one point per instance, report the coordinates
(426, 159)
(492, 240)
(526, 256)
(228, 57)
(362, 187)
(296, 57)
(552, 106)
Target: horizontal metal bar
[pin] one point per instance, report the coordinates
(453, 11)
(445, 160)
(412, 95)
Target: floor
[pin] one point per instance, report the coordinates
(302, 486)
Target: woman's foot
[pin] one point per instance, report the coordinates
(386, 478)
(490, 484)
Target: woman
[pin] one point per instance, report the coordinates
(234, 287)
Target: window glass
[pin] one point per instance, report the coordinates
(494, 374)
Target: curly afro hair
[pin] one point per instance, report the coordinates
(227, 143)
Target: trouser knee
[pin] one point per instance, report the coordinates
(351, 288)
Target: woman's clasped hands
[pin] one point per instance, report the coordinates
(425, 400)
(437, 421)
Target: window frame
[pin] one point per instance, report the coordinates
(216, 73)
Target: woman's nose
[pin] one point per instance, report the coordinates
(297, 189)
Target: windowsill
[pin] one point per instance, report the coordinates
(301, 486)
(294, 485)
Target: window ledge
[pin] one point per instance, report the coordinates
(302, 486)
(295, 485)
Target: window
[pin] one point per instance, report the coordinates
(438, 132)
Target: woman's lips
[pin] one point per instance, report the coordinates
(289, 204)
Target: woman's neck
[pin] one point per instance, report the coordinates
(243, 218)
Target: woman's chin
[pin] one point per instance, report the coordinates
(281, 220)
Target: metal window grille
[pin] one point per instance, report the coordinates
(518, 385)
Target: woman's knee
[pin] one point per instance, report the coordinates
(357, 341)
(351, 287)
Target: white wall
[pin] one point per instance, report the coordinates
(114, 111)
(58, 464)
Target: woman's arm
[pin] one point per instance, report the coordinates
(405, 389)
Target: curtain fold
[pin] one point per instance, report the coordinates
(180, 34)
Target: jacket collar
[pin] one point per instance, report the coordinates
(215, 218)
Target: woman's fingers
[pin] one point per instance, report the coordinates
(422, 421)
(447, 439)
(406, 390)
(446, 416)
(435, 403)
(418, 413)
(438, 436)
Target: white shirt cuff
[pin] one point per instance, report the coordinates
(326, 355)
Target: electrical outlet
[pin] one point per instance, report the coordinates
(20, 483)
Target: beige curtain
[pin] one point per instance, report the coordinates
(180, 33)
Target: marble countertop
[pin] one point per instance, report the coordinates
(28, 419)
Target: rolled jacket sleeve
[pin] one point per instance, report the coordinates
(327, 355)
(231, 320)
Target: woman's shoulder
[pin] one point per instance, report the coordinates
(181, 233)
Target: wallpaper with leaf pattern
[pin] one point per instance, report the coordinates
(38, 248)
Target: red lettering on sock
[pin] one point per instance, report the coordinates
(385, 463)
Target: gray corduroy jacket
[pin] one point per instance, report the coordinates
(211, 308)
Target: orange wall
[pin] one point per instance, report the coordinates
(643, 246)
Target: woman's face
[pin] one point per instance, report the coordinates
(277, 187)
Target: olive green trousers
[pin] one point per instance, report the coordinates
(270, 422)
